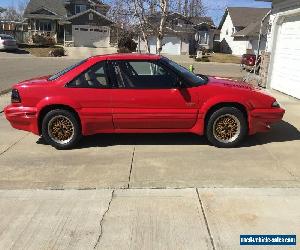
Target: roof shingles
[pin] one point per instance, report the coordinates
(55, 6)
(243, 16)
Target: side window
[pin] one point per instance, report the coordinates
(143, 75)
(94, 77)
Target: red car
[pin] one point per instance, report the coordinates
(138, 93)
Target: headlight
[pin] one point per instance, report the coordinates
(275, 105)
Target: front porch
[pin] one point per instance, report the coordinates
(48, 29)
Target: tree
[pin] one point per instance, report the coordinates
(190, 8)
(120, 13)
(11, 14)
(126, 43)
(14, 13)
(2, 10)
(149, 17)
(147, 10)
(22, 4)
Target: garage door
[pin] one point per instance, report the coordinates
(286, 70)
(91, 36)
(171, 45)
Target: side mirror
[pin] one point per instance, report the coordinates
(180, 83)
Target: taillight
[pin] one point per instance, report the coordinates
(251, 61)
(15, 96)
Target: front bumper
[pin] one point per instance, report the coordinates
(260, 120)
(22, 118)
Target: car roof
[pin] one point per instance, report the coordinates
(127, 56)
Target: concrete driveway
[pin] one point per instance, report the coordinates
(149, 191)
(154, 161)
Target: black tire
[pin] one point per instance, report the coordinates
(72, 124)
(238, 123)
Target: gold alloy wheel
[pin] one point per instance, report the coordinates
(61, 129)
(226, 128)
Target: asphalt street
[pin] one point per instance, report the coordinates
(14, 69)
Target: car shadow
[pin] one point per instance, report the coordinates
(17, 51)
(280, 132)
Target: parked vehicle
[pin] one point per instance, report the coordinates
(7, 42)
(138, 93)
(249, 61)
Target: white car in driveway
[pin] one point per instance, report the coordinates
(7, 42)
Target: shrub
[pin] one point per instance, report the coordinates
(43, 40)
(126, 43)
(57, 52)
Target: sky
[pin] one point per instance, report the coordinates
(215, 8)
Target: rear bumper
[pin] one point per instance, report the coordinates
(260, 120)
(22, 118)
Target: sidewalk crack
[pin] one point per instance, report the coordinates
(15, 143)
(206, 221)
(102, 220)
(131, 165)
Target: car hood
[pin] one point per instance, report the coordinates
(225, 82)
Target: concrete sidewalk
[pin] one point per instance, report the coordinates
(144, 218)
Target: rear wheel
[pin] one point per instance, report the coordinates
(226, 127)
(61, 129)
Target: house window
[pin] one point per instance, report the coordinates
(91, 17)
(79, 8)
(203, 37)
(44, 25)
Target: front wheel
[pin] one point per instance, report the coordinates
(61, 129)
(226, 127)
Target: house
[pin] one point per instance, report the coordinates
(239, 30)
(284, 47)
(11, 26)
(14, 28)
(183, 35)
(70, 22)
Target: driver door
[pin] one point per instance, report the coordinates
(147, 96)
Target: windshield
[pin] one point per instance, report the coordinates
(196, 80)
(61, 73)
